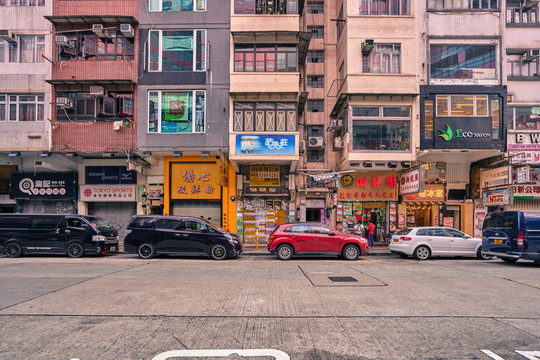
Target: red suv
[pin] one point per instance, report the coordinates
(314, 238)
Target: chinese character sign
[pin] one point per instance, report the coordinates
(368, 186)
(194, 181)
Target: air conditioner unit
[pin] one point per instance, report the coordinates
(8, 36)
(367, 45)
(62, 41)
(338, 142)
(315, 142)
(97, 91)
(64, 102)
(99, 30)
(127, 30)
(530, 55)
(529, 4)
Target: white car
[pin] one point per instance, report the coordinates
(424, 242)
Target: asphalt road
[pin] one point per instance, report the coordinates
(122, 307)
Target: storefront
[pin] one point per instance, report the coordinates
(7, 205)
(44, 193)
(425, 208)
(366, 197)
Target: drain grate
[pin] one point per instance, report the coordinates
(342, 279)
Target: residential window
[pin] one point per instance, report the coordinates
(385, 128)
(315, 7)
(24, 2)
(27, 49)
(315, 56)
(384, 58)
(173, 112)
(266, 6)
(523, 117)
(428, 119)
(86, 107)
(463, 4)
(385, 7)
(265, 117)
(22, 107)
(317, 32)
(265, 58)
(177, 5)
(316, 81)
(177, 50)
(315, 105)
(523, 64)
(462, 105)
(476, 62)
(315, 155)
(522, 12)
(86, 46)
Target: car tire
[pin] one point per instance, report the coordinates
(422, 253)
(75, 250)
(13, 250)
(350, 252)
(482, 256)
(509, 260)
(284, 252)
(218, 252)
(146, 251)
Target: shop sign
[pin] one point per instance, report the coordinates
(109, 175)
(264, 175)
(528, 157)
(496, 197)
(258, 144)
(523, 174)
(367, 186)
(412, 181)
(463, 133)
(223, 178)
(496, 177)
(431, 193)
(194, 181)
(315, 203)
(527, 191)
(524, 141)
(448, 221)
(108, 193)
(374, 205)
(42, 186)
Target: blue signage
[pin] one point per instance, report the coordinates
(255, 144)
(110, 175)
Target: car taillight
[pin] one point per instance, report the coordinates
(520, 239)
(405, 238)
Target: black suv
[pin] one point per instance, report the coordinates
(148, 236)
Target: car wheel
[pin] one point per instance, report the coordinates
(509, 260)
(350, 252)
(75, 250)
(482, 256)
(146, 251)
(218, 252)
(284, 252)
(13, 250)
(422, 253)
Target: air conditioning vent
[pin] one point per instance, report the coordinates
(315, 142)
(8, 36)
(97, 90)
(64, 103)
(367, 45)
(62, 41)
(127, 30)
(530, 55)
(99, 30)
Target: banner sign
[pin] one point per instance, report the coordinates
(42, 186)
(109, 175)
(276, 144)
(523, 175)
(527, 157)
(496, 197)
(194, 181)
(431, 193)
(524, 140)
(264, 176)
(108, 193)
(375, 186)
(496, 177)
(412, 181)
(463, 133)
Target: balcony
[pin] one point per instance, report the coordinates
(267, 82)
(123, 70)
(73, 8)
(266, 15)
(382, 84)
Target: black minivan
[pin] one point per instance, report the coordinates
(72, 235)
(512, 235)
(148, 236)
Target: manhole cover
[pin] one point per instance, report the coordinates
(342, 279)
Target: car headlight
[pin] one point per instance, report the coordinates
(363, 241)
(98, 238)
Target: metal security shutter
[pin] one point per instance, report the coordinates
(116, 213)
(198, 209)
(524, 204)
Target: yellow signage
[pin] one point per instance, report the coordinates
(194, 181)
(264, 176)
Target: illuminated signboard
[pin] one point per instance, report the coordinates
(367, 186)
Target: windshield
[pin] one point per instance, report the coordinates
(98, 222)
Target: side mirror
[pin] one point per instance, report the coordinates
(332, 233)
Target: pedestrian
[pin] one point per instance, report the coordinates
(359, 228)
(370, 232)
(209, 219)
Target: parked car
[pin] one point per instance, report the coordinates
(149, 236)
(425, 242)
(512, 235)
(314, 238)
(74, 235)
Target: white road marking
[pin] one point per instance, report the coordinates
(278, 355)
(531, 355)
(492, 355)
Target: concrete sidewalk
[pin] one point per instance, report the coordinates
(252, 250)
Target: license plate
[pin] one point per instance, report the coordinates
(113, 248)
(395, 240)
(498, 241)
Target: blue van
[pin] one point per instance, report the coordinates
(512, 235)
